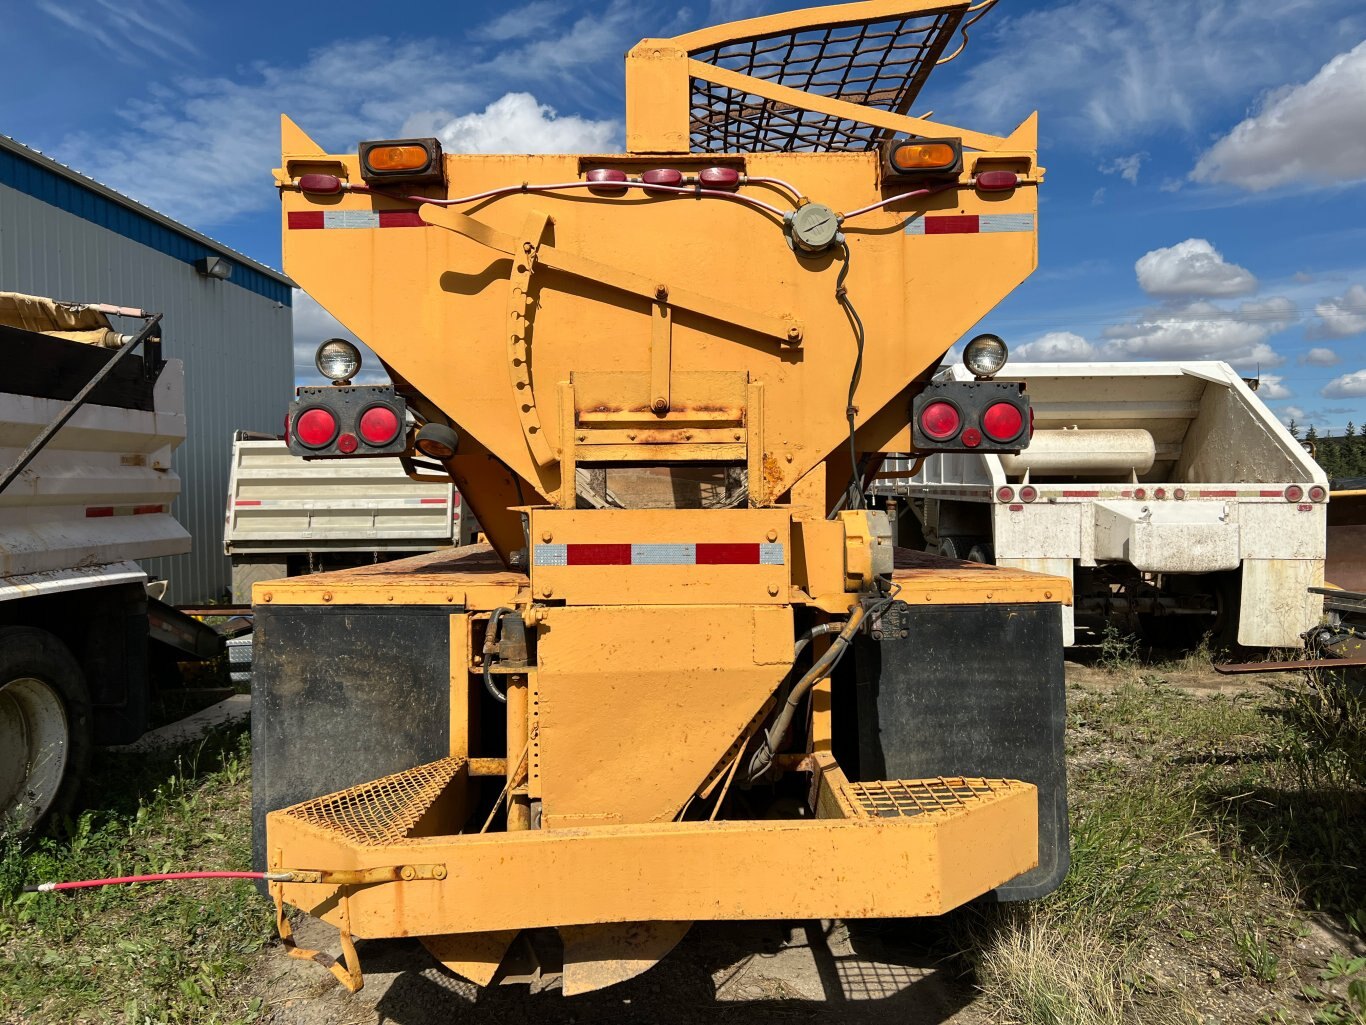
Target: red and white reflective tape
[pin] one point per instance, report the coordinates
(713, 553)
(968, 224)
(97, 511)
(355, 219)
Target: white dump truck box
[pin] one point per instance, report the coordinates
(279, 503)
(1173, 468)
(98, 495)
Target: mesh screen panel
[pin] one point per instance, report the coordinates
(897, 798)
(384, 811)
(879, 64)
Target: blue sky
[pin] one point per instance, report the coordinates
(1205, 159)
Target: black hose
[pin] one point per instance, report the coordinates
(490, 649)
(854, 493)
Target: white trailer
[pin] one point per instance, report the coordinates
(288, 515)
(1168, 492)
(86, 487)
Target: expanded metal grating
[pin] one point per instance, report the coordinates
(384, 811)
(876, 64)
(902, 798)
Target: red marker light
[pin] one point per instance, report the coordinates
(1294, 493)
(1317, 493)
(940, 421)
(663, 176)
(1028, 493)
(972, 437)
(996, 181)
(346, 444)
(607, 180)
(315, 427)
(1179, 494)
(1140, 493)
(320, 184)
(1003, 421)
(1160, 493)
(378, 425)
(1005, 494)
(719, 178)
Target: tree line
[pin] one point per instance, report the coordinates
(1343, 456)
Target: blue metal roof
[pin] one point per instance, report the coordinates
(44, 179)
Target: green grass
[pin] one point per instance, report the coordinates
(166, 952)
(1204, 830)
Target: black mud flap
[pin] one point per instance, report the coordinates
(342, 696)
(965, 690)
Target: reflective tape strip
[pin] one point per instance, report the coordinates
(968, 224)
(355, 219)
(714, 553)
(99, 511)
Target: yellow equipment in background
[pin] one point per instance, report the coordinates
(689, 678)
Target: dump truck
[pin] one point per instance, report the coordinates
(689, 677)
(1167, 492)
(89, 418)
(287, 515)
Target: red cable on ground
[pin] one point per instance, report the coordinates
(158, 877)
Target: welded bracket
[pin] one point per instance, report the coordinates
(348, 973)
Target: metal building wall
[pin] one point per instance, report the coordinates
(236, 344)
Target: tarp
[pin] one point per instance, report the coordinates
(61, 320)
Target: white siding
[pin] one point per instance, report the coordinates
(236, 344)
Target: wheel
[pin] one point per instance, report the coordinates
(45, 729)
(952, 547)
(983, 552)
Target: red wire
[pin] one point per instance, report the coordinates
(155, 878)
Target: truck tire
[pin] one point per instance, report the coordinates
(951, 547)
(983, 552)
(45, 729)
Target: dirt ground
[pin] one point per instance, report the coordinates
(753, 972)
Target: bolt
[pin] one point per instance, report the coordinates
(877, 635)
(450, 599)
(738, 435)
(546, 536)
(527, 247)
(268, 596)
(772, 536)
(904, 633)
(661, 405)
(773, 590)
(631, 436)
(1048, 594)
(687, 436)
(327, 596)
(794, 332)
(408, 872)
(661, 291)
(546, 592)
(439, 872)
(583, 437)
(788, 457)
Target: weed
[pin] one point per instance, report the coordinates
(1118, 650)
(1258, 961)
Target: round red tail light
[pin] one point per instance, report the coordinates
(1294, 493)
(1003, 421)
(1028, 493)
(940, 420)
(379, 425)
(1005, 494)
(315, 427)
(1317, 493)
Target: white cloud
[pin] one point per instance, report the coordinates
(1058, 347)
(313, 325)
(1126, 167)
(1202, 330)
(520, 22)
(1105, 70)
(1313, 133)
(517, 123)
(1193, 268)
(130, 31)
(1320, 357)
(1348, 386)
(1271, 387)
(1340, 317)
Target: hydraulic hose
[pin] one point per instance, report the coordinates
(490, 649)
(763, 757)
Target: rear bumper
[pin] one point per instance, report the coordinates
(878, 849)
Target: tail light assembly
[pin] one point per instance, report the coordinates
(402, 161)
(971, 416)
(340, 421)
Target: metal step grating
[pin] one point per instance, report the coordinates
(384, 811)
(903, 798)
